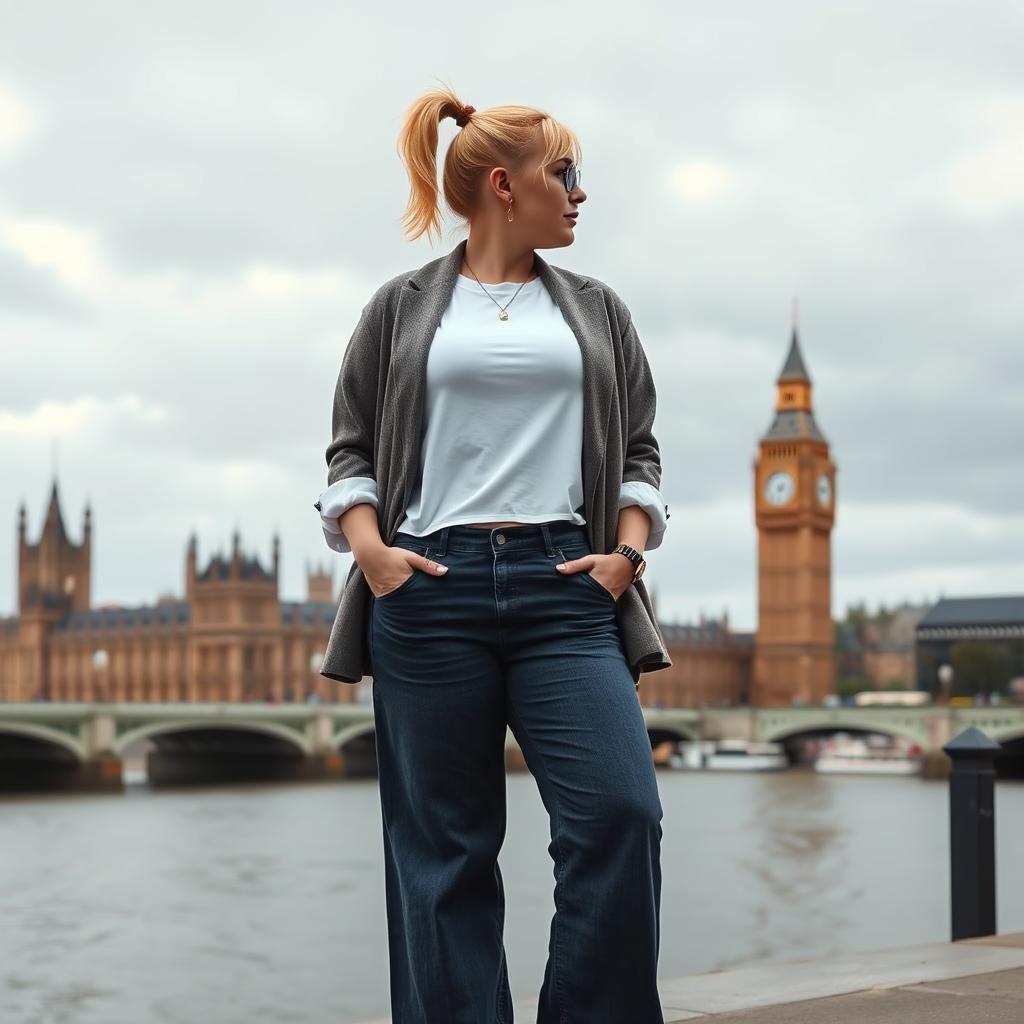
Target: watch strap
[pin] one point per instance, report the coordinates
(636, 557)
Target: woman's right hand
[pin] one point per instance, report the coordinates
(387, 568)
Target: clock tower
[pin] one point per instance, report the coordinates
(794, 506)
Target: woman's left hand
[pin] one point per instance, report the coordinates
(614, 572)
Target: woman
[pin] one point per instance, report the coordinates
(492, 433)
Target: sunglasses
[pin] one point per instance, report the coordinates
(571, 177)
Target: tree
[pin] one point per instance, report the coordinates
(848, 686)
(978, 667)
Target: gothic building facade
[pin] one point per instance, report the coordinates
(229, 638)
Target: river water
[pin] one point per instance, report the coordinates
(265, 903)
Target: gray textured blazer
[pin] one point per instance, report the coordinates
(377, 427)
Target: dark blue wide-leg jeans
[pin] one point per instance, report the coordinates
(504, 638)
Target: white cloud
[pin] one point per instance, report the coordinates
(49, 419)
(75, 255)
(15, 119)
(253, 476)
(991, 178)
(71, 253)
(260, 285)
(703, 181)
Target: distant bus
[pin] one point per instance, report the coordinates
(900, 698)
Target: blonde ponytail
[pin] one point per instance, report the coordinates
(504, 136)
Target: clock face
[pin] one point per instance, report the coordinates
(824, 490)
(779, 487)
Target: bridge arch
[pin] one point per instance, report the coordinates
(665, 724)
(156, 729)
(913, 731)
(352, 732)
(662, 733)
(47, 734)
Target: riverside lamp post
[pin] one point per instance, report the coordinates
(100, 661)
(945, 673)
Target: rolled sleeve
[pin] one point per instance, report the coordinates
(650, 499)
(339, 498)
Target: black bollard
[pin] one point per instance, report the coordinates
(972, 833)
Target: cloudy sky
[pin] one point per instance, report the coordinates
(196, 200)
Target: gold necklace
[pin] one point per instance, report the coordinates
(502, 310)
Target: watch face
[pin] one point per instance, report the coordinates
(824, 490)
(779, 487)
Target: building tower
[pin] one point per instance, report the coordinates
(54, 573)
(320, 583)
(794, 507)
(54, 578)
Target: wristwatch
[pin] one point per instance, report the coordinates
(636, 557)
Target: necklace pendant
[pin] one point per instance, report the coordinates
(503, 315)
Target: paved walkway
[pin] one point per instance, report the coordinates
(976, 981)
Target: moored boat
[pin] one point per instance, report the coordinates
(850, 755)
(729, 755)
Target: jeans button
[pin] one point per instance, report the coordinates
(500, 538)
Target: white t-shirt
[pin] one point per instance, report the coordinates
(503, 421)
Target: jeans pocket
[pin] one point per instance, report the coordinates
(406, 584)
(584, 574)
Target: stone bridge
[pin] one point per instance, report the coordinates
(82, 745)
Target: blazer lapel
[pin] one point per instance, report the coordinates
(583, 309)
(423, 298)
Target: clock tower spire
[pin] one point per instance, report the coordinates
(794, 505)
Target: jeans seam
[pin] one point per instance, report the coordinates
(502, 967)
(563, 1017)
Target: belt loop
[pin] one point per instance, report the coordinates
(441, 545)
(549, 547)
